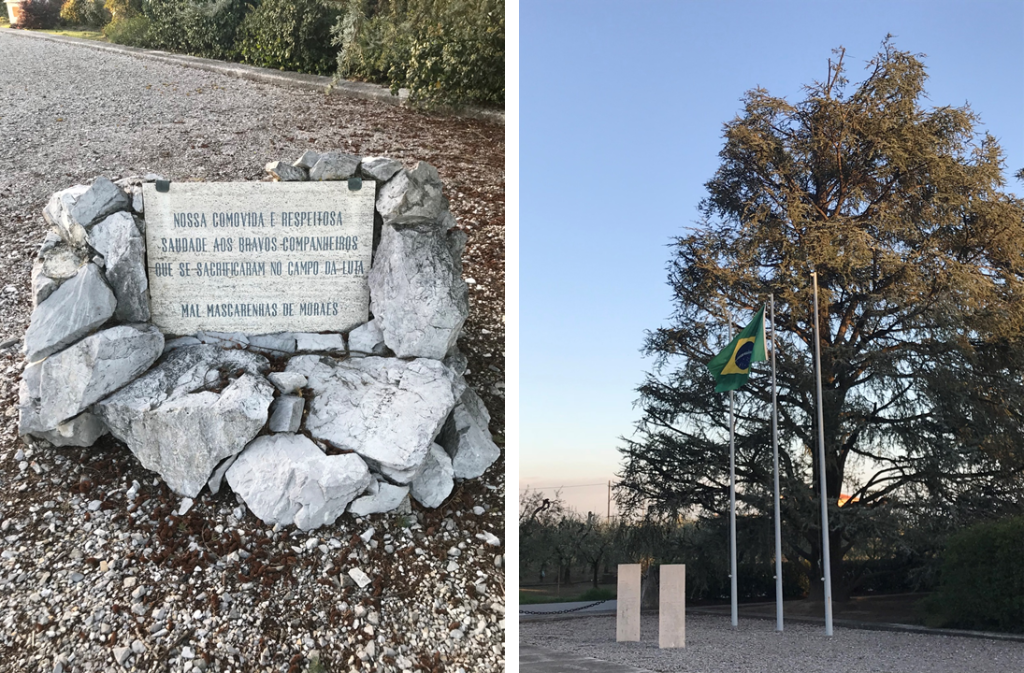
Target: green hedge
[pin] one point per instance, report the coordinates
(446, 52)
(84, 13)
(290, 35)
(199, 27)
(981, 584)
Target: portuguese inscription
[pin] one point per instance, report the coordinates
(259, 257)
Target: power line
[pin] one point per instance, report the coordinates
(554, 488)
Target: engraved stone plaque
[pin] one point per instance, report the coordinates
(259, 257)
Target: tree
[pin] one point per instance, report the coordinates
(920, 258)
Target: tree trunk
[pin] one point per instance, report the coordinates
(650, 589)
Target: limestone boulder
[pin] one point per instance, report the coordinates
(283, 172)
(42, 285)
(387, 410)
(62, 261)
(417, 294)
(286, 414)
(190, 412)
(57, 214)
(325, 343)
(380, 496)
(29, 396)
(287, 479)
(76, 377)
(467, 439)
(76, 308)
(380, 169)
(101, 199)
(307, 160)
(412, 197)
(435, 480)
(334, 166)
(82, 430)
(273, 345)
(118, 240)
(367, 339)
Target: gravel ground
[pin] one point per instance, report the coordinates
(712, 646)
(99, 569)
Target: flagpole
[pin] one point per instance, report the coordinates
(732, 496)
(778, 513)
(825, 561)
(732, 508)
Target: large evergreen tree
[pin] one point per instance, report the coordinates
(919, 250)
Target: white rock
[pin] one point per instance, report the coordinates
(75, 378)
(385, 409)
(286, 172)
(101, 199)
(182, 434)
(359, 577)
(82, 430)
(307, 160)
(217, 478)
(334, 166)
(367, 339)
(417, 294)
(185, 506)
(287, 479)
(327, 343)
(380, 169)
(124, 250)
(75, 309)
(121, 654)
(412, 197)
(42, 285)
(287, 382)
(57, 214)
(303, 364)
(286, 414)
(435, 481)
(273, 345)
(380, 497)
(467, 439)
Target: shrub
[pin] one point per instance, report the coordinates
(124, 9)
(39, 14)
(198, 27)
(133, 31)
(84, 13)
(290, 35)
(981, 584)
(446, 52)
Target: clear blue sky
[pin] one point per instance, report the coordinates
(622, 106)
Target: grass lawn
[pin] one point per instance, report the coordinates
(548, 593)
(84, 33)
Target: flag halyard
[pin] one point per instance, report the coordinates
(731, 367)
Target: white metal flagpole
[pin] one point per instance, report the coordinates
(826, 568)
(778, 511)
(732, 508)
(732, 494)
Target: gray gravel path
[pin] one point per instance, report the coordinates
(713, 647)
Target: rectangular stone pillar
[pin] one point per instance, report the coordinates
(627, 619)
(672, 610)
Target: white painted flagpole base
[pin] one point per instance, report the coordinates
(672, 607)
(627, 618)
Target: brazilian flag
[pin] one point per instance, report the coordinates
(731, 367)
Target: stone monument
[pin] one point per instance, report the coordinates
(254, 333)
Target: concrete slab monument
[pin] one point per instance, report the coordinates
(627, 618)
(672, 607)
(259, 257)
